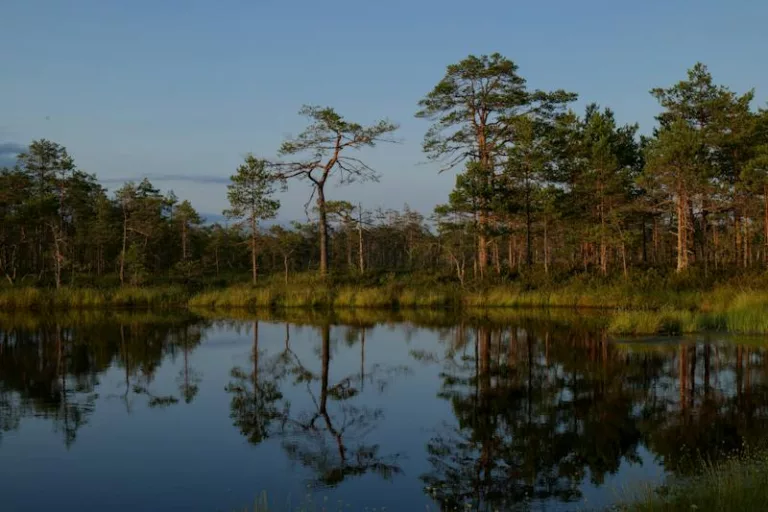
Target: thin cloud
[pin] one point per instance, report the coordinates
(202, 179)
(8, 153)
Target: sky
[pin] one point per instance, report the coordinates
(181, 90)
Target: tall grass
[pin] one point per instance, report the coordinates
(86, 298)
(645, 304)
(744, 313)
(738, 484)
(324, 296)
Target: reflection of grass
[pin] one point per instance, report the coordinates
(31, 320)
(307, 504)
(738, 484)
(735, 485)
(422, 317)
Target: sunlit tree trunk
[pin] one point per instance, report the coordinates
(254, 259)
(360, 248)
(682, 230)
(323, 227)
(765, 224)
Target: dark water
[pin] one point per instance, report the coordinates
(135, 411)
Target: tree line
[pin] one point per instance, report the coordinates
(539, 188)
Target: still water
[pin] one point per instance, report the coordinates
(360, 411)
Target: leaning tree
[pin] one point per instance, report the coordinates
(323, 149)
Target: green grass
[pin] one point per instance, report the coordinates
(89, 298)
(737, 484)
(667, 322)
(744, 312)
(646, 304)
(640, 312)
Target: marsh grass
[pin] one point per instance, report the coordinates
(737, 484)
(87, 298)
(625, 312)
(743, 313)
(642, 306)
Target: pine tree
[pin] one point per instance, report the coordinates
(250, 198)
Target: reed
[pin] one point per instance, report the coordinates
(737, 484)
(90, 298)
(627, 310)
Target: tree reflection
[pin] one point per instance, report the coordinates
(329, 437)
(50, 365)
(539, 409)
(539, 406)
(254, 399)
(47, 375)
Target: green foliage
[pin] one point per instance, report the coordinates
(250, 193)
(545, 202)
(24, 298)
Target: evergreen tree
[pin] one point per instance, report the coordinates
(250, 199)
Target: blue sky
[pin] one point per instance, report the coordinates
(182, 89)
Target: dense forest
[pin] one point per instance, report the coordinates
(540, 188)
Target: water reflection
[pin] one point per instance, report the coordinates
(329, 437)
(536, 417)
(524, 408)
(50, 366)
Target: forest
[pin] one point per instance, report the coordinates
(542, 193)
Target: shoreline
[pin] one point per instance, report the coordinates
(641, 312)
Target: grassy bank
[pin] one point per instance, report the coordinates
(628, 308)
(90, 298)
(645, 305)
(645, 291)
(733, 311)
(738, 484)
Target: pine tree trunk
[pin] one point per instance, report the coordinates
(682, 230)
(254, 262)
(360, 248)
(350, 261)
(765, 224)
(528, 231)
(122, 252)
(603, 245)
(323, 226)
(482, 244)
(57, 257)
